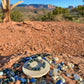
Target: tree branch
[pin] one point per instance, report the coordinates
(4, 4)
(8, 4)
(16, 4)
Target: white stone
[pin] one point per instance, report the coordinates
(1, 73)
(56, 58)
(70, 65)
(63, 80)
(50, 61)
(39, 58)
(81, 79)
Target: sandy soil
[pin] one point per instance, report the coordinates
(27, 38)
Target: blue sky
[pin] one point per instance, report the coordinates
(62, 3)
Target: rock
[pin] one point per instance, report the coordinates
(50, 82)
(80, 79)
(1, 81)
(59, 82)
(39, 57)
(1, 73)
(70, 65)
(32, 80)
(56, 58)
(62, 63)
(75, 77)
(79, 82)
(50, 61)
(23, 80)
(44, 82)
(67, 74)
(44, 58)
(12, 79)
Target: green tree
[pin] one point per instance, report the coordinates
(16, 16)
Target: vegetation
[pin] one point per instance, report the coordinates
(6, 8)
(16, 16)
(58, 14)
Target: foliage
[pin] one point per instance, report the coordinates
(60, 13)
(16, 16)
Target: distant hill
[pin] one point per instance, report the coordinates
(37, 6)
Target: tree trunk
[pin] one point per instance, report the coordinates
(6, 15)
(7, 8)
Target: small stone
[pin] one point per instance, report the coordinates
(76, 77)
(1, 81)
(50, 82)
(50, 61)
(80, 79)
(44, 82)
(28, 80)
(63, 80)
(16, 78)
(12, 79)
(32, 80)
(4, 70)
(70, 65)
(79, 82)
(59, 82)
(1, 73)
(16, 65)
(39, 57)
(23, 80)
(27, 58)
(62, 63)
(67, 74)
(59, 66)
(56, 58)
(44, 58)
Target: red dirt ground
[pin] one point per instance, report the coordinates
(42, 37)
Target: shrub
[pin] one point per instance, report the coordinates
(16, 16)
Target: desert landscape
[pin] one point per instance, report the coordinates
(64, 40)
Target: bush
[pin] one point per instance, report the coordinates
(16, 16)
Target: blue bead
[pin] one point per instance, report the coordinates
(44, 58)
(59, 67)
(7, 72)
(59, 82)
(27, 58)
(62, 63)
(12, 73)
(73, 74)
(22, 80)
(32, 80)
(67, 74)
(0, 81)
(53, 62)
(76, 77)
(16, 78)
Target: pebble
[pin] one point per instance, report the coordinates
(1, 81)
(67, 74)
(1, 73)
(39, 57)
(62, 63)
(32, 80)
(70, 65)
(59, 82)
(23, 80)
(56, 58)
(12, 79)
(44, 82)
(75, 77)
